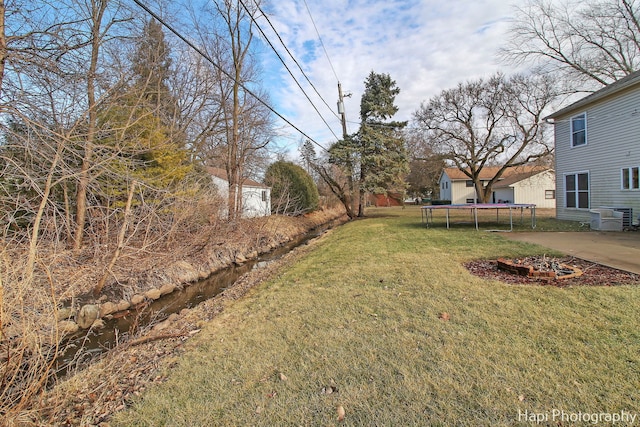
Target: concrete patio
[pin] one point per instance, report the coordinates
(614, 249)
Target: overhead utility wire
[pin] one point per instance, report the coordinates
(285, 65)
(321, 42)
(340, 96)
(290, 55)
(219, 68)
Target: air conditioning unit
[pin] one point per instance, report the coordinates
(627, 214)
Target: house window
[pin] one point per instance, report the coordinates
(469, 183)
(264, 195)
(631, 178)
(579, 130)
(471, 201)
(549, 194)
(577, 190)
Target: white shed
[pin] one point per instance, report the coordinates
(256, 197)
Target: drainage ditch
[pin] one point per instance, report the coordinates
(81, 350)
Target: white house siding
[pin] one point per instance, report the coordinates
(256, 201)
(503, 195)
(463, 194)
(613, 143)
(533, 189)
(519, 185)
(253, 204)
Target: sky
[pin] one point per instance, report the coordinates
(426, 46)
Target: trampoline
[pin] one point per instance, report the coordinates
(427, 212)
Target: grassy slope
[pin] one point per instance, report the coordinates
(361, 314)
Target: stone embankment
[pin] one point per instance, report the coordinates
(216, 254)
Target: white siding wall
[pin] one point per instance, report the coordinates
(613, 143)
(223, 189)
(460, 193)
(502, 195)
(532, 190)
(252, 199)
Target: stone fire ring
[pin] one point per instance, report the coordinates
(530, 271)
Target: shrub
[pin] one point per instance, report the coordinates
(293, 191)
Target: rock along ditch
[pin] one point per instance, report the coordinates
(109, 324)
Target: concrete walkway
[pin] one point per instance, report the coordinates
(614, 249)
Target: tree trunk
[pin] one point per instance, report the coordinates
(361, 194)
(37, 221)
(337, 190)
(97, 12)
(3, 44)
(121, 235)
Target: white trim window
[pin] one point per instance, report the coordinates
(630, 178)
(576, 190)
(579, 130)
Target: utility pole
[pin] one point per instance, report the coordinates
(343, 116)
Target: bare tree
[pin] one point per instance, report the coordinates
(488, 123)
(243, 126)
(424, 163)
(339, 182)
(97, 10)
(200, 104)
(589, 43)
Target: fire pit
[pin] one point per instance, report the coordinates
(593, 274)
(539, 267)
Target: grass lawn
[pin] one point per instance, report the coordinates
(358, 323)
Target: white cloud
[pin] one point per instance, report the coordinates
(426, 46)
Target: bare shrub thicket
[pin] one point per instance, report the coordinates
(99, 168)
(33, 284)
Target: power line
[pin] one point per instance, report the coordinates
(219, 68)
(340, 100)
(321, 42)
(292, 57)
(285, 65)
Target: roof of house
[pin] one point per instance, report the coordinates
(222, 174)
(609, 90)
(488, 172)
(519, 176)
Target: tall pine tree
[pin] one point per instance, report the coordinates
(152, 68)
(374, 159)
(140, 124)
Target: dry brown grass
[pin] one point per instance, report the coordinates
(30, 335)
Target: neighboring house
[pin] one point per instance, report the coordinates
(256, 197)
(597, 150)
(519, 184)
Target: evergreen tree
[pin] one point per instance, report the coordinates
(374, 159)
(379, 143)
(138, 146)
(308, 154)
(152, 68)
